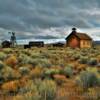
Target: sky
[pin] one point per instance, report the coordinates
(48, 20)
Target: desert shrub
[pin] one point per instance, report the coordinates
(84, 52)
(59, 79)
(40, 62)
(9, 74)
(94, 70)
(7, 50)
(1, 65)
(35, 55)
(24, 70)
(83, 60)
(70, 65)
(2, 80)
(70, 54)
(44, 63)
(21, 56)
(47, 90)
(36, 72)
(10, 87)
(26, 52)
(50, 72)
(27, 96)
(31, 96)
(87, 79)
(24, 59)
(68, 71)
(92, 61)
(37, 62)
(29, 87)
(11, 61)
(61, 65)
(76, 56)
(2, 56)
(34, 62)
(99, 81)
(18, 97)
(93, 93)
(45, 55)
(98, 65)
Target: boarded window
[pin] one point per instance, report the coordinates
(83, 42)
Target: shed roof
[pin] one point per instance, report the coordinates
(81, 36)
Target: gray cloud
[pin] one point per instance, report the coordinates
(47, 18)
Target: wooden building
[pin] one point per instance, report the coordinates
(36, 44)
(59, 44)
(6, 44)
(78, 40)
(26, 46)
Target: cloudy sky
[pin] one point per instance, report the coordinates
(48, 19)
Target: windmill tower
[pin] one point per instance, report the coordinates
(13, 39)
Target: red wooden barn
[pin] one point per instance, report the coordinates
(78, 40)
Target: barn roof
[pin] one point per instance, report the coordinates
(6, 41)
(81, 36)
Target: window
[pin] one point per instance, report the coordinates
(83, 42)
(88, 43)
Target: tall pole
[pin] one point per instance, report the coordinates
(13, 39)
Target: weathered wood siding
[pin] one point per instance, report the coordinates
(73, 42)
(85, 43)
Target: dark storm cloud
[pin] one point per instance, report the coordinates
(34, 17)
(46, 37)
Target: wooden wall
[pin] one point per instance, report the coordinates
(85, 43)
(73, 42)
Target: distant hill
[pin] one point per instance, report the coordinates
(97, 42)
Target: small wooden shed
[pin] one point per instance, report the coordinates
(78, 40)
(6, 44)
(59, 44)
(36, 44)
(26, 46)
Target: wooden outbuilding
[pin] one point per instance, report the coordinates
(59, 44)
(78, 40)
(6, 44)
(26, 46)
(36, 44)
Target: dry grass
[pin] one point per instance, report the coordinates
(21, 67)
